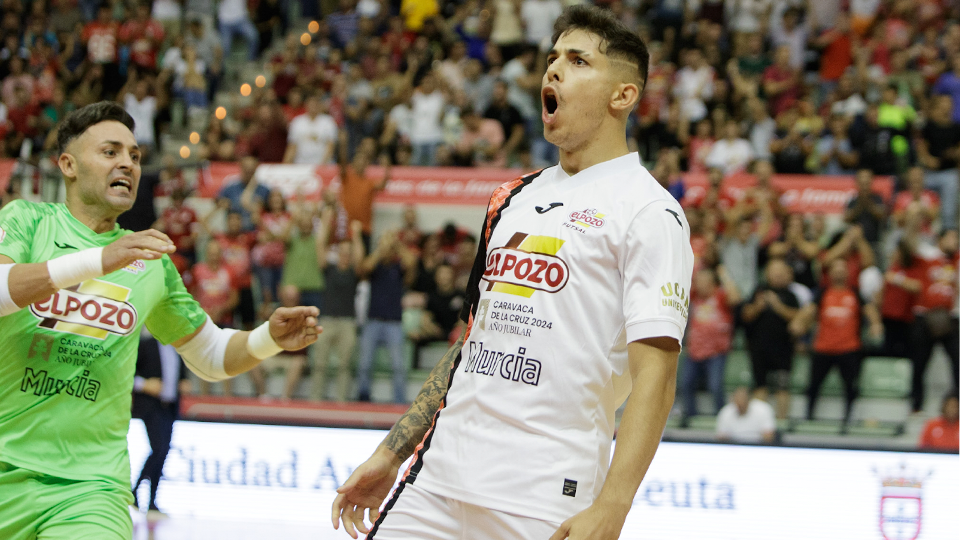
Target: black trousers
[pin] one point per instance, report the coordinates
(897, 339)
(158, 417)
(820, 366)
(923, 343)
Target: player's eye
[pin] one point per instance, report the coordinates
(579, 61)
(550, 59)
(109, 152)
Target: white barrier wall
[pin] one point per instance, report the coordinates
(692, 491)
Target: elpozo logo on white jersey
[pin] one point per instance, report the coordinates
(94, 309)
(528, 270)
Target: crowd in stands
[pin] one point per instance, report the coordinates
(865, 88)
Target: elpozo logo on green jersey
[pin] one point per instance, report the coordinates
(94, 309)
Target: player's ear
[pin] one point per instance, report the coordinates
(625, 97)
(68, 165)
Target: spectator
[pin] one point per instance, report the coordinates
(936, 311)
(18, 76)
(781, 82)
(850, 246)
(441, 316)
(511, 121)
(938, 150)
(866, 209)
(874, 141)
(732, 153)
(694, 86)
(345, 23)
(839, 313)
(268, 19)
(900, 119)
(480, 143)
(902, 282)
(835, 154)
(235, 20)
(426, 135)
(24, 119)
(390, 268)
(180, 223)
(214, 286)
(711, 333)
(273, 231)
(410, 233)
(268, 137)
(698, 146)
(538, 17)
(358, 189)
(144, 108)
(916, 199)
(763, 129)
(523, 82)
(244, 196)
(792, 146)
(740, 250)
(943, 433)
(949, 84)
(144, 36)
(301, 266)
(746, 419)
(788, 31)
(796, 250)
(339, 316)
(769, 342)
(100, 38)
(311, 136)
(836, 44)
(848, 100)
(478, 85)
(236, 244)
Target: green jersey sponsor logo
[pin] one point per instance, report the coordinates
(94, 308)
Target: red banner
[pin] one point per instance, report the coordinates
(473, 186)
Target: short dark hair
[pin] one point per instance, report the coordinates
(83, 118)
(617, 38)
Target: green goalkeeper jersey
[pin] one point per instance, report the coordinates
(67, 361)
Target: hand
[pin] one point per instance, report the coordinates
(295, 328)
(185, 387)
(152, 386)
(597, 522)
(356, 229)
(772, 298)
(365, 491)
(876, 331)
(150, 245)
(796, 328)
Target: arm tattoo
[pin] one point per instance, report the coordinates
(413, 425)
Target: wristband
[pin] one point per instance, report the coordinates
(7, 305)
(76, 268)
(260, 343)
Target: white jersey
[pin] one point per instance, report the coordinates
(569, 270)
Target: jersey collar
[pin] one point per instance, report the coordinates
(611, 167)
(86, 232)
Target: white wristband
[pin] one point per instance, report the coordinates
(7, 305)
(260, 343)
(76, 268)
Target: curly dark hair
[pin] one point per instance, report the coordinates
(81, 119)
(618, 40)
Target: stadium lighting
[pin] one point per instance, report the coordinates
(221, 113)
(184, 151)
(314, 27)
(245, 89)
(260, 81)
(194, 138)
(305, 39)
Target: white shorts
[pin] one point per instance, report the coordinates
(422, 515)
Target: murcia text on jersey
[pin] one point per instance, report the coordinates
(512, 367)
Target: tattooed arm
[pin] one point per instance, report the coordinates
(413, 425)
(370, 483)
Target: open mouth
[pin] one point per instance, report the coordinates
(122, 183)
(550, 100)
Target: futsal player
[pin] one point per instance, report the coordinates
(75, 291)
(578, 298)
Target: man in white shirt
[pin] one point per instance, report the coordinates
(731, 153)
(426, 132)
(694, 85)
(578, 299)
(142, 107)
(538, 17)
(311, 135)
(746, 420)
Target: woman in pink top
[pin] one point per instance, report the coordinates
(708, 336)
(273, 230)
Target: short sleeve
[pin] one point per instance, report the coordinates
(178, 314)
(18, 223)
(656, 265)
